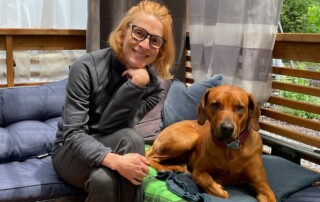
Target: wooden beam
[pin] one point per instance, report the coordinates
(9, 61)
(42, 32)
(308, 74)
(308, 90)
(295, 120)
(279, 130)
(312, 108)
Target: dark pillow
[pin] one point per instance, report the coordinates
(181, 102)
(149, 126)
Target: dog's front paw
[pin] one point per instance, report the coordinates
(264, 198)
(217, 190)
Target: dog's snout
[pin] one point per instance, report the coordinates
(227, 128)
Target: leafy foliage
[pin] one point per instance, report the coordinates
(301, 16)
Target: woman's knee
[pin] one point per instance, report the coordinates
(132, 141)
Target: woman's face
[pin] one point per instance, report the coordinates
(139, 54)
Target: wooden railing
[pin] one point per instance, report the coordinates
(37, 39)
(304, 131)
(298, 47)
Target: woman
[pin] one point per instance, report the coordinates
(108, 92)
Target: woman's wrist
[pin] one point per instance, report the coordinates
(110, 160)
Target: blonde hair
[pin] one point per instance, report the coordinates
(165, 60)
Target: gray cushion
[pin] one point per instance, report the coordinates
(181, 102)
(149, 126)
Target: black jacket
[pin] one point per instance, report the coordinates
(100, 100)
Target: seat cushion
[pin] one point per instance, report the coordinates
(32, 180)
(27, 139)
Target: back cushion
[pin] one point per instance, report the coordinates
(28, 118)
(32, 103)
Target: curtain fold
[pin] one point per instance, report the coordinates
(234, 38)
(103, 16)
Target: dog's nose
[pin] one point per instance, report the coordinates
(227, 128)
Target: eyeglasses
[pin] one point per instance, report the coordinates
(141, 34)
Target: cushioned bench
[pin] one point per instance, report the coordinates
(28, 123)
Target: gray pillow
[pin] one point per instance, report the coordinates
(181, 102)
(149, 126)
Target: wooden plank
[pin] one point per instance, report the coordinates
(2, 42)
(298, 37)
(33, 32)
(295, 120)
(312, 108)
(9, 61)
(306, 139)
(308, 74)
(308, 90)
(298, 51)
(51, 42)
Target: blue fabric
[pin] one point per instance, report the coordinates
(32, 180)
(28, 120)
(183, 186)
(27, 139)
(32, 103)
(284, 177)
(181, 102)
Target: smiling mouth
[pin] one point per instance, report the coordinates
(140, 54)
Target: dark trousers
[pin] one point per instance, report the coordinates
(101, 183)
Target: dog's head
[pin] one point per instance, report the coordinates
(230, 110)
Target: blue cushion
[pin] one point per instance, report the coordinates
(28, 120)
(181, 102)
(27, 139)
(32, 180)
(32, 103)
(286, 177)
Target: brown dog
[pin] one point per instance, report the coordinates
(222, 147)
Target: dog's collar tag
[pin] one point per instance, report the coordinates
(234, 144)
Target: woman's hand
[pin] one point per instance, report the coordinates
(131, 166)
(139, 77)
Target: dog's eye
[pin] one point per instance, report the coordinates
(240, 108)
(215, 106)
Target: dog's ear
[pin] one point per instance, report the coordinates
(254, 113)
(202, 116)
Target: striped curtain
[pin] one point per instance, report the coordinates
(234, 38)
